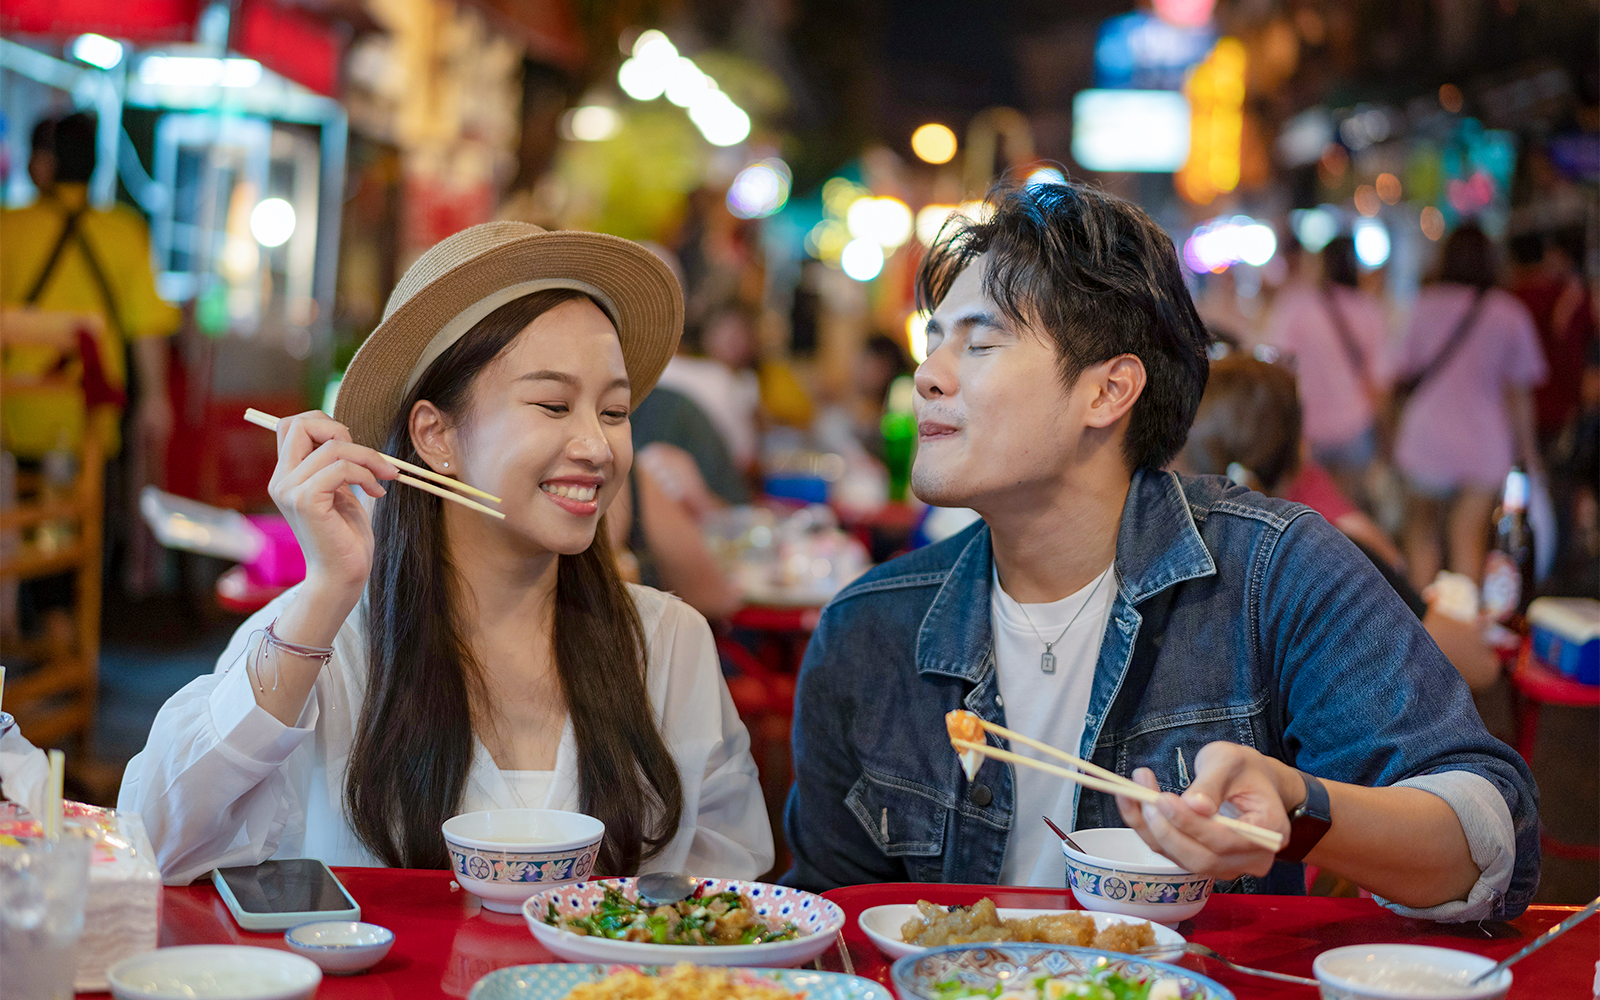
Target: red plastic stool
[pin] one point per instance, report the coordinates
(1534, 686)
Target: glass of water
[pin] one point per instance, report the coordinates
(43, 888)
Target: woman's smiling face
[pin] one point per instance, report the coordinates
(547, 430)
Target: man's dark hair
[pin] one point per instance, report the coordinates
(74, 148)
(1467, 258)
(1339, 262)
(1101, 279)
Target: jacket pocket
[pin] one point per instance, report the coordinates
(904, 819)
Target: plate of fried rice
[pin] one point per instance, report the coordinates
(680, 982)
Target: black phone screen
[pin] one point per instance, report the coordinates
(292, 885)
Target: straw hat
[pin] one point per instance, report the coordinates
(469, 275)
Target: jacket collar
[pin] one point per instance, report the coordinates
(1158, 545)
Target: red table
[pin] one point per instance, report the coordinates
(444, 943)
(1277, 933)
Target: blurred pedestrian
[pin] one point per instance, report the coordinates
(1248, 428)
(1466, 369)
(1553, 289)
(1336, 333)
(715, 367)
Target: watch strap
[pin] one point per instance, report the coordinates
(1309, 821)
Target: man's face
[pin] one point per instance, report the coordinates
(995, 426)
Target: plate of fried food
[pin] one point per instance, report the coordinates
(681, 982)
(901, 929)
(725, 922)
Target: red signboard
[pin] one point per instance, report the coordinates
(144, 21)
(291, 42)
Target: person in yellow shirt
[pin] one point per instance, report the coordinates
(62, 254)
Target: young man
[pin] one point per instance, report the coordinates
(1219, 645)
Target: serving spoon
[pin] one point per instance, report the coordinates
(1540, 941)
(665, 888)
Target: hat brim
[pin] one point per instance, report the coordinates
(642, 296)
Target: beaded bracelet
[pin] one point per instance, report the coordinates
(322, 653)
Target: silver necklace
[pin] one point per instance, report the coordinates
(1047, 659)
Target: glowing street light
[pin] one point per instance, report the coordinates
(885, 221)
(862, 259)
(934, 143)
(759, 189)
(272, 222)
(97, 50)
(592, 123)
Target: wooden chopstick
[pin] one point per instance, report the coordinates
(1269, 839)
(1079, 763)
(458, 498)
(270, 422)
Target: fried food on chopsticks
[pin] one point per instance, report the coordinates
(981, 922)
(964, 725)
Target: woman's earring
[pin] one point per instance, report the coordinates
(447, 465)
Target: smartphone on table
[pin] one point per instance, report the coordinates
(279, 894)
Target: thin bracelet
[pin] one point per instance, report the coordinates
(322, 653)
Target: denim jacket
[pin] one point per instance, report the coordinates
(1238, 617)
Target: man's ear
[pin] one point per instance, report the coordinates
(1117, 385)
(433, 437)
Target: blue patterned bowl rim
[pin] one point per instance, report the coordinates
(824, 914)
(904, 977)
(833, 985)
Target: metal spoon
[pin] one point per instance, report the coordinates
(1195, 948)
(1540, 941)
(1063, 835)
(665, 888)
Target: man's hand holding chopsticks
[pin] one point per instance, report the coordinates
(1183, 828)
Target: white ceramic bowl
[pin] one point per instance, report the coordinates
(340, 947)
(215, 972)
(819, 921)
(883, 923)
(1120, 874)
(1367, 972)
(503, 856)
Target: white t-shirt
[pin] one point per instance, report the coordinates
(1048, 707)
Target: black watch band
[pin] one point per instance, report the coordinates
(1308, 821)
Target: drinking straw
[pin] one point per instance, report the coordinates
(53, 793)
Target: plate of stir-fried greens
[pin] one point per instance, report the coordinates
(725, 922)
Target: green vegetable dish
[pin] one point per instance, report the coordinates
(712, 919)
(1105, 985)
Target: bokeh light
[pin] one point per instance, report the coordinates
(917, 336)
(591, 123)
(1314, 227)
(1367, 200)
(1222, 243)
(759, 189)
(862, 259)
(1432, 223)
(885, 221)
(934, 143)
(930, 219)
(97, 50)
(272, 222)
(1372, 243)
(1046, 175)
(1388, 186)
(1451, 99)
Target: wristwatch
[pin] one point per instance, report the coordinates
(1308, 821)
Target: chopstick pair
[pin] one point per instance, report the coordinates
(270, 422)
(1098, 778)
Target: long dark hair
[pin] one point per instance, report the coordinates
(413, 747)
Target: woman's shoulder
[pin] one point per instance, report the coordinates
(661, 613)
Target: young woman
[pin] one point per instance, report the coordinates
(437, 660)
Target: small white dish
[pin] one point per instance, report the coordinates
(1121, 874)
(882, 924)
(503, 856)
(340, 947)
(214, 972)
(1381, 971)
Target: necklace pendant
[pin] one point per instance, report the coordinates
(1047, 662)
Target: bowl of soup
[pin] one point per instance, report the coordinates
(1116, 872)
(1404, 972)
(503, 856)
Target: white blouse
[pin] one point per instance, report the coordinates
(222, 782)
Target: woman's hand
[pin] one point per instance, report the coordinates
(317, 463)
(1180, 827)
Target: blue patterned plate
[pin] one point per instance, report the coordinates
(554, 982)
(985, 965)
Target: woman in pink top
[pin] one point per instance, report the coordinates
(1336, 334)
(1472, 416)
